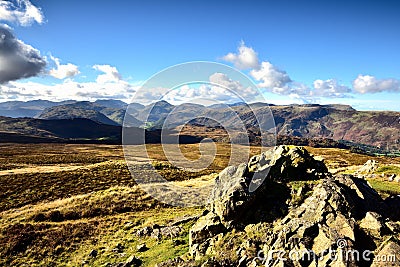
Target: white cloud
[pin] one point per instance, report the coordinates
(22, 12)
(194, 93)
(111, 74)
(269, 76)
(67, 90)
(245, 58)
(17, 59)
(235, 87)
(277, 81)
(329, 88)
(369, 84)
(63, 71)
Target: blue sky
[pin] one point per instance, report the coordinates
(349, 47)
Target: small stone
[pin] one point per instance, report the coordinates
(128, 226)
(177, 242)
(141, 247)
(119, 248)
(144, 231)
(133, 261)
(93, 253)
(58, 250)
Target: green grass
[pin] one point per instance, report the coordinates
(385, 188)
(100, 222)
(388, 169)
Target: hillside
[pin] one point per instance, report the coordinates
(340, 123)
(16, 109)
(376, 128)
(78, 130)
(67, 112)
(58, 130)
(78, 205)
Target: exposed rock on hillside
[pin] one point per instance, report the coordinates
(233, 199)
(369, 167)
(339, 220)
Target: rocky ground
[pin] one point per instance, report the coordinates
(285, 207)
(331, 220)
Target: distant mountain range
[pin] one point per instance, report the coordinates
(336, 122)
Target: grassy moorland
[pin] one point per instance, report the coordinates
(59, 203)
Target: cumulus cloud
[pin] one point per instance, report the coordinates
(329, 88)
(369, 84)
(110, 74)
(67, 90)
(63, 71)
(17, 59)
(193, 93)
(245, 58)
(269, 76)
(272, 79)
(235, 87)
(22, 12)
(221, 88)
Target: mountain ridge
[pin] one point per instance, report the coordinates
(335, 121)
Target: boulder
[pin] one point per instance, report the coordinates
(369, 167)
(340, 213)
(237, 188)
(373, 223)
(206, 227)
(285, 163)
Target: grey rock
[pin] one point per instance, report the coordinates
(119, 248)
(93, 253)
(373, 223)
(206, 227)
(243, 261)
(132, 261)
(369, 167)
(146, 231)
(339, 212)
(141, 247)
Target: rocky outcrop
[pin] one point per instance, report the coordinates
(339, 216)
(369, 167)
(250, 192)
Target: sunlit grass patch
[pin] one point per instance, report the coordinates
(385, 188)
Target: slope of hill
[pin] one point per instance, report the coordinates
(154, 112)
(16, 109)
(104, 111)
(336, 122)
(78, 130)
(73, 112)
(57, 130)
